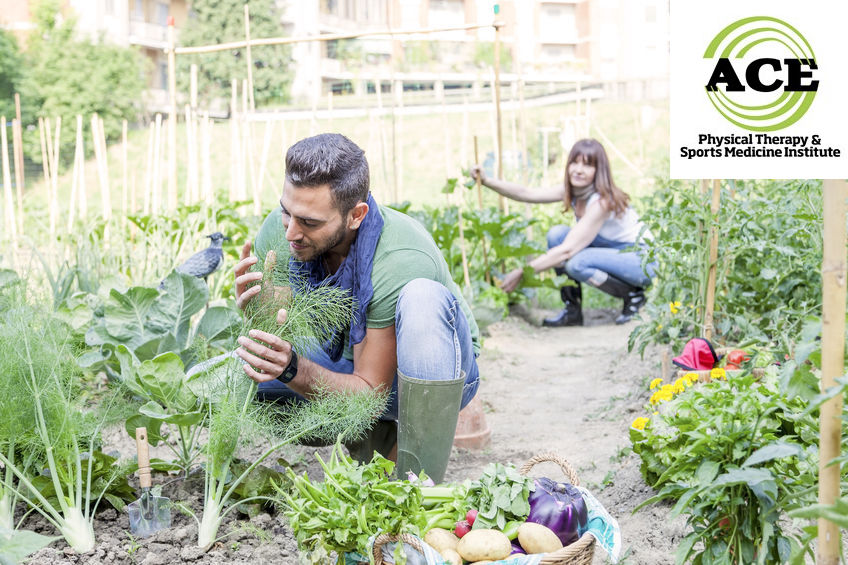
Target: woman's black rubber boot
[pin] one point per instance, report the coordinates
(572, 314)
(633, 296)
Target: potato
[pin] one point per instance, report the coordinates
(536, 538)
(451, 556)
(481, 545)
(440, 538)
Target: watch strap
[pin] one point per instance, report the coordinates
(290, 372)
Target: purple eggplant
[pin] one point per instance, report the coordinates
(559, 507)
(517, 549)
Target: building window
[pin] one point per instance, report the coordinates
(138, 10)
(330, 7)
(163, 76)
(161, 14)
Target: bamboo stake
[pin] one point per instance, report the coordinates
(45, 164)
(190, 195)
(72, 201)
(266, 147)
(51, 171)
(102, 168)
(466, 277)
(833, 361)
(234, 140)
(11, 224)
(17, 151)
(249, 58)
(156, 203)
(246, 154)
(206, 169)
(148, 171)
(383, 145)
(488, 275)
(124, 176)
(53, 205)
(496, 86)
(172, 117)
(20, 137)
(81, 186)
(711, 277)
(324, 37)
(463, 145)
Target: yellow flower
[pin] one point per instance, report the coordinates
(656, 413)
(674, 307)
(640, 422)
(691, 377)
(656, 382)
(718, 373)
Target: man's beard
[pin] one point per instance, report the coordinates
(313, 251)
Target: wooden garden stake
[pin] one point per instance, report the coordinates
(148, 171)
(833, 361)
(124, 176)
(711, 277)
(172, 117)
(72, 201)
(488, 275)
(206, 170)
(81, 183)
(102, 168)
(496, 87)
(17, 151)
(11, 224)
(249, 58)
(156, 200)
(45, 164)
(20, 155)
(190, 196)
(234, 141)
(246, 146)
(53, 204)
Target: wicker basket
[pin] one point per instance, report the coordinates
(580, 552)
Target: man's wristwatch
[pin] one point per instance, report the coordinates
(290, 372)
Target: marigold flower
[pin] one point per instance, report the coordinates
(655, 383)
(674, 307)
(718, 373)
(640, 422)
(691, 377)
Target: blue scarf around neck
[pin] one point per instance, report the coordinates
(353, 275)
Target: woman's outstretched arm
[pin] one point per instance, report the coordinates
(519, 192)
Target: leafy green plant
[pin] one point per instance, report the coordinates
(17, 545)
(734, 455)
(768, 268)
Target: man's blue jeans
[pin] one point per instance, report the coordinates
(606, 256)
(433, 343)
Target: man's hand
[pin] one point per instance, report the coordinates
(512, 280)
(266, 355)
(476, 172)
(245, 277)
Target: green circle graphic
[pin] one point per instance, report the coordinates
(734, 42)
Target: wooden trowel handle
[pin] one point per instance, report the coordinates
(143, 457)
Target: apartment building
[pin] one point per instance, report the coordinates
(616, 41)
(139, 23)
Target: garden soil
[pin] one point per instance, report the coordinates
(571, 391)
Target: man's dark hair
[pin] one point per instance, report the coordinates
(333, 159)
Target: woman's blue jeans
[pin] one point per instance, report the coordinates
(433, 343)
(606, 256)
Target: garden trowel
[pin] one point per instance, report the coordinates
(150, 513)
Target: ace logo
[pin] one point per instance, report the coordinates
(757, 89)
(790, 78)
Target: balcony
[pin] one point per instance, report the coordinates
(148, 34)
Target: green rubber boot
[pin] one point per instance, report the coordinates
(427, 415)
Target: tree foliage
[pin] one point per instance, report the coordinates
(221, 21)
(67, 76)
(11, 65)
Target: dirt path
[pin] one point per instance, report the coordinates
(573, 391)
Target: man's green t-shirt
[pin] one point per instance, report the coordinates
(405, 251)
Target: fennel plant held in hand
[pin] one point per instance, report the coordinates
(64, 435)
(234, 419)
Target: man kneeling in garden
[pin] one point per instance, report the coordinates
(412, 333)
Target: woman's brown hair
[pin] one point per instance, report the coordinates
(591, 152)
